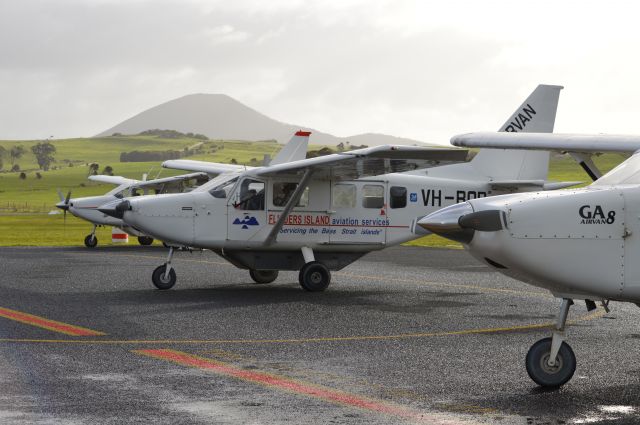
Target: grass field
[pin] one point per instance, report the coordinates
(24, 203)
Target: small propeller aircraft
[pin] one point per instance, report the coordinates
(86, 208)
(578, 243)
(320, 214)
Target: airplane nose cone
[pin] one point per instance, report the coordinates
(459, 222)
(115, 209)
(62, 205)
(446, 223)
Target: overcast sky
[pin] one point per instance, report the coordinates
(420, 69)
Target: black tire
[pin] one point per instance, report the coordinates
(90, 241)
(314, 277)
(544, 375)
(145, 240)
(159, 280)
(262, 277)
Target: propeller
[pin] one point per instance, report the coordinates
(64, 204)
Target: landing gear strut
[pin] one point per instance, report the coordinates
(314, 276)
(90, 241)
(550, 361)
(164, 276)
(263, 276)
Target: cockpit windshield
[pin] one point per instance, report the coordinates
(216, 187)
(627, 172)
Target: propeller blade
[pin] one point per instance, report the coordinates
(60, 195)
(66, 201)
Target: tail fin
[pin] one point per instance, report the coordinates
(537, 114)
(295, 150)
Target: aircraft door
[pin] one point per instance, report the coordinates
(631, 243)
(359, 212)
(246, 213)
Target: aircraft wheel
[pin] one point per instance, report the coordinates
(263, 276)
(314, 277)
(145, 240)
(90, 241)
(541, 372)
(159, 279)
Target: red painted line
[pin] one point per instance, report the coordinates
(291, 385)
(51, 325)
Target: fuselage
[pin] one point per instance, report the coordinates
(358, 215)
(580, 243)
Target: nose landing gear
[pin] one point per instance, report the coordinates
(90, 241)
(164, 276)
(550, 361)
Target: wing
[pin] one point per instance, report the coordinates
(168, 180)
(211, 168)
(580, 143)
(117, 180)
(366, 162)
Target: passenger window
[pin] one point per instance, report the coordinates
(344, 196)
(251, 195)
(282, 192)
(372, 196)
(398, 197)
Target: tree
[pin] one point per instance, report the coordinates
(233, 161)
(93, 168)
(3, 152)
(15, 168)
(108, 170)
(15, 153)
(43, 152)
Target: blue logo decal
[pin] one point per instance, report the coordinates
(246, 222)
(413, 197)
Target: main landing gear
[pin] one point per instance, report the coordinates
(145, 240)
(263, 276)
(90, 241)
(314, 276)
(164, 276)
(550, 361)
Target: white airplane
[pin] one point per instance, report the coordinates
(86, 208)
(578, 243)
(321, 214)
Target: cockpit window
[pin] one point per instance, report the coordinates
(223, 189)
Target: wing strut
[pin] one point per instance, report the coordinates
(295, 198)
(586, 162)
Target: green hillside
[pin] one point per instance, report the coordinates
(24, 203)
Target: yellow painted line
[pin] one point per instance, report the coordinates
(587, 317)
(51, 325)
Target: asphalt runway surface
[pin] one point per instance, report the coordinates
(405, 335)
